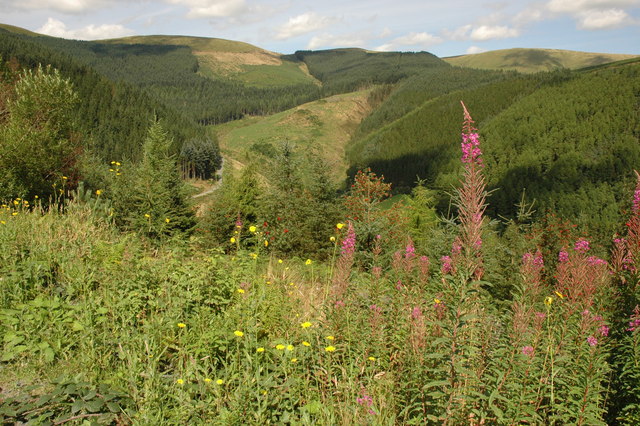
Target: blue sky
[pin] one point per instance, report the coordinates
(443, 27)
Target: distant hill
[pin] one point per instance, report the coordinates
(534, 60)
(234, 60)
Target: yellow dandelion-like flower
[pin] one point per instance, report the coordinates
(260, 350)
(3, 222)
(290, 348)
(305, 324)
(167, 220)
(180, 382)
(118, 174)
(330, 348)
(279, 260)
(330, 338)
(548, 300)
(252, 228)
(232, 240)
(14, 214)
(64, 178)
(308, 262)
(208, 380)
(111, 170)
(118, 164)
(305, 343)
(98, 192)
(340, 225)
(332, 239)
(36, 197)
(254, 255)
(147, 215)
(181, 325)
(241, 291)
(220, 381)
(371, 358)
(16, 202)
(238, 333)
(560, 295)
(437, 301)
(294, 360)
(113, 162)
(280, 347)
(268, 282)
(266, 243)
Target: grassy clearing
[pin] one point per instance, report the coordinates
(325, 125)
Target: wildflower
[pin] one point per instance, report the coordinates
(290, 348)
(447, 267)
(563, 256)
(220, 381)
(371, 358)
(167, 220)
(416, 313)
(266, 243)
(260, 350)
(254, 255)
(180, 382)
(232, 240)
(340, 225)
(305, 343)
(294, 360)
(330, 348)
(305, 324)
(581, 245)
(147, 215)
(560, 295)
(548, 300)
(181, 325)
(330, 338)
(14, 214)
(339, 304)
(332, 239)
(280, 347)
(252, 229)
(208, 380)
(308, 262)
(604, 330)
(437, 301)
(98, 192)
(241, 291)
(528, 351)
(64, 178)
(279, 260)
(238, 333)
(3, 222)
(592, 341)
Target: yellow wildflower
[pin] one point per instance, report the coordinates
(340, 225)
(332, 239)
(208, 380)
(279, 260)
(252, 228)
(241, 291)
(290, 348)
(266, 243)
(147, 215)
(559, 295)
(330, 338)
(371, 358)
(260, 350)
(305, 324)
(437, 301)
(167, 220)
(238, 333)
(180, 382)
(280, 347)
(308, 262)
(98, 192)
(182, 325)
(254, 255)
(294, 360)
(64, 178)
(232, 240)
(330, 348)
(548, 300)
(305, 343)
(3, 222)
(220, 381)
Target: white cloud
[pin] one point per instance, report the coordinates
(56, 28)
(603, 19)
(577, 6)
(64, 6)
(212, 8)
(328, 40)
(303, 24)
(475, 49)
(487, 32)
(418, 40)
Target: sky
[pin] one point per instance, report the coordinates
(442, 27)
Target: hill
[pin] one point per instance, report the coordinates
(326, 125)
(234, 60)
(534, 60)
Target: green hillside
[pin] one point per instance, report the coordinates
(326, 125)
(534, 60)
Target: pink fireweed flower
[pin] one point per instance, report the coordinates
(527, 350)
(471, 148)
(636, 201)
(563, 256)
(581, 246)
(594, 261)
(410, 251)
(446, 265)
(604, 330)
(416, 313)
(592, 341)
(349, 243)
